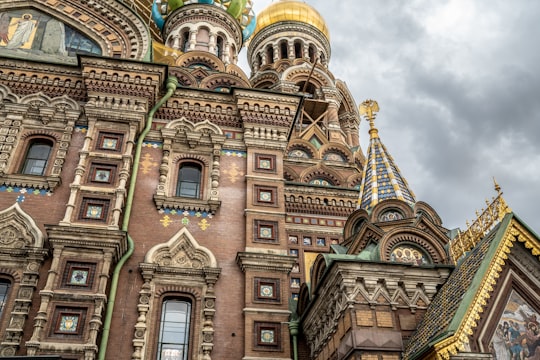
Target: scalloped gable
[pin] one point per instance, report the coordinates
(181, 251)
(18, 229)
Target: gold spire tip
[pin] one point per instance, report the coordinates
(369, 109)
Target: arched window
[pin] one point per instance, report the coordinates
(283, 49)
(298, 50)
(185, 40)
(219, 47)
(4, 291)
(311, 53)
(174, 330)
(269, 54)
(189, 180)
(37, 157)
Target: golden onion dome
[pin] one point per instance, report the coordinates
(291, 10)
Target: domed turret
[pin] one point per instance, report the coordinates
(216, 26)
(291, 30)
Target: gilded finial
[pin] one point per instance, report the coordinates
(497, 186)
(369, 110)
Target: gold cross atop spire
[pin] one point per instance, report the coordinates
(369, 110)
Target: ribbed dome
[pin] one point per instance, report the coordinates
(291, 10)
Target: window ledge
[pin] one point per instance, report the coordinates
(31, 181)
(186, 204)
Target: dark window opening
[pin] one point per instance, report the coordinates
(189, 180)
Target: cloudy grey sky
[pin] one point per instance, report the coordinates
(458, 85)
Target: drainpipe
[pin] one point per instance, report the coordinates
(172, 82)
(293, 331)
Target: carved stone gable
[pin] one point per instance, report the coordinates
(18, 230)
(181, 251)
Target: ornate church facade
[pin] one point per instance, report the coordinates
(158, 203)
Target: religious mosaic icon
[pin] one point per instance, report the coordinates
(409, 255)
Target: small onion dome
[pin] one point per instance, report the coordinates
(241, 10)
(291, 10)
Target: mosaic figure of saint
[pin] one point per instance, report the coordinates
(22, 33)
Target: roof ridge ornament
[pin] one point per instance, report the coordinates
(485, 222)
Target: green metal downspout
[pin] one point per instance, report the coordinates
(172, 82)
(293, 330)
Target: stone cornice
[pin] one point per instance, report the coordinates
(249, 261)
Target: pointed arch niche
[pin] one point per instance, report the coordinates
(21, 257)
(179, 267)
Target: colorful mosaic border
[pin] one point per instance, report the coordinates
(302, 220)
(188, 218)
(24, 191)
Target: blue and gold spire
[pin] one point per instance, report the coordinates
(381, 179)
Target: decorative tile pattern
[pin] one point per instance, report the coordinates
(185, 218)
(233, 173)
(147, 163)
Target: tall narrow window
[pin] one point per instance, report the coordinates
(219, 47)
(174, 330)
(4, 291)
(37, 157)
(189, 180)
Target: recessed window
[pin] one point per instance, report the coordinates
(265, 163)
(78, 275)
(267, 336)
(295, 283)
(265, 195)
(4, 292)
(266, 231)
(321, 242)
(293, 239)
(94, 209)
(110, 141)
(69, 321)
(37, 157)
(189, 180)
(267, 290)
(307, 240)
(174, 330)
(102, 173)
